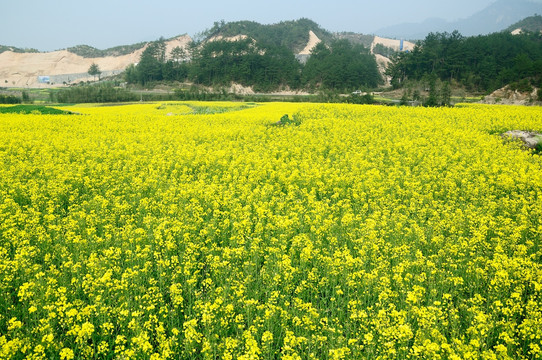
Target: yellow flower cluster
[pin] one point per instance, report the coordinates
(197, 231)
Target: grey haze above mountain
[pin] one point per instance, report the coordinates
(496, 17)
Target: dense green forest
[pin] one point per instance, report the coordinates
(245, 62)
(341, 66)
(264, 60)
(293, 35)
(479, 63)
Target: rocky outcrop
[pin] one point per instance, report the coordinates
(530, 139)
(507, 96)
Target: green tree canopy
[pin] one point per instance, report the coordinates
(246, 62)
(150, 64)
(341, 66)
(94, 70)
(484, 63)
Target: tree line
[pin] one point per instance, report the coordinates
(266, 66)
(481, 63)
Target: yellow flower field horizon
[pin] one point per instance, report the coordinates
(193, 230)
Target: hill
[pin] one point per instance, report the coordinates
(479, 63)
(4, 48)
(91, 52)
(496, 17)
(293, 35)
(531, 23)
(242, 52)
(24, 69)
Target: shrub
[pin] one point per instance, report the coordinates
(9, 99)
(91, 94)
(32, 109)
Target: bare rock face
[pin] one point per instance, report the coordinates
(530, 139)
(506, 96)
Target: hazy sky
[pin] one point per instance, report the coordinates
(54, 24)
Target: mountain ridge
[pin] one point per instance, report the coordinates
(501, 12)
(531, 23)
(29, 68)
(494, 18)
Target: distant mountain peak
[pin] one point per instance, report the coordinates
(494, 18)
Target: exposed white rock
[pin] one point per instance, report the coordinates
(530, 139)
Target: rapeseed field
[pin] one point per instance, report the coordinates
(198, 231)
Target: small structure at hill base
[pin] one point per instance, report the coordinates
(530, 139)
